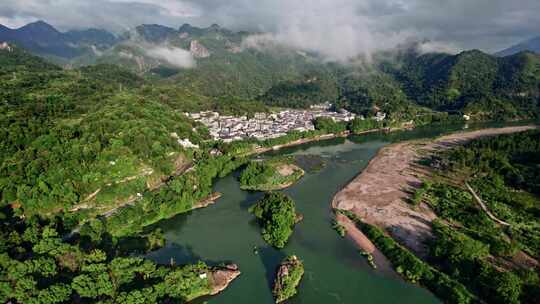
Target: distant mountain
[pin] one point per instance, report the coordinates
(97, 37)
(223, 66)
(216, 63)
(155, 33)
(43, 39)
(532, 45)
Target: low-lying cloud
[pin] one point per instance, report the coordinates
(177, 57)
(437, 47)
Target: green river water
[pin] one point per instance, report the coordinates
(335, 272)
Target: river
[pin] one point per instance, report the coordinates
(335, 272)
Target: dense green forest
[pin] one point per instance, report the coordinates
(480, 85)
(276, 214)
(84, 143)
(70, 134)
(495, 261)
(37, 265)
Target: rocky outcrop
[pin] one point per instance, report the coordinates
(207, 201)
(221, 277)
(198, 50)
(232, 48)
(288, 277)
(5, 46)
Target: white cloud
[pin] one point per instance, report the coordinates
(175, 56)
(172, 8)
(336, 28)
(438, 47)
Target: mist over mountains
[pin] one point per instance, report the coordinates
(43, 39)
(220, 63)
(532, 45)
(165, 43)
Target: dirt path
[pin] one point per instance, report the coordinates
(378, 195)
(484, 207)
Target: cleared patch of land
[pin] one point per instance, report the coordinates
(378, 195)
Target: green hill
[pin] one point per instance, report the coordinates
(81, 139)
(473, 82)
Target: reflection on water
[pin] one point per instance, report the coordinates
(335, 271)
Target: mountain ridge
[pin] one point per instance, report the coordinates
(401, 82)
(532, 45)
(44, 39)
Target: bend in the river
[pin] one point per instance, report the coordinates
(335, 270)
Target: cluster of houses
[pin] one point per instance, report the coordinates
(265, 125)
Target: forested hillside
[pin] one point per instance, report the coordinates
(484, 86)
(79, 148)
(82, 139)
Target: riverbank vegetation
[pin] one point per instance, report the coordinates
(412, 268)
(271, 174)
(288, 277)
(179, 195)
(38, 265)
(276, 214)
(484, 244)
(340, 229)
(492, 249)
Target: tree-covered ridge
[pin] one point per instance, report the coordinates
(38, 266)
(276, 213)
(316, 87)
(494, 252)
(478, 84)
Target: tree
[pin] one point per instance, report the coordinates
(277, 215)
(328, 125)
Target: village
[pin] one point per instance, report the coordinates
(267, 125)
